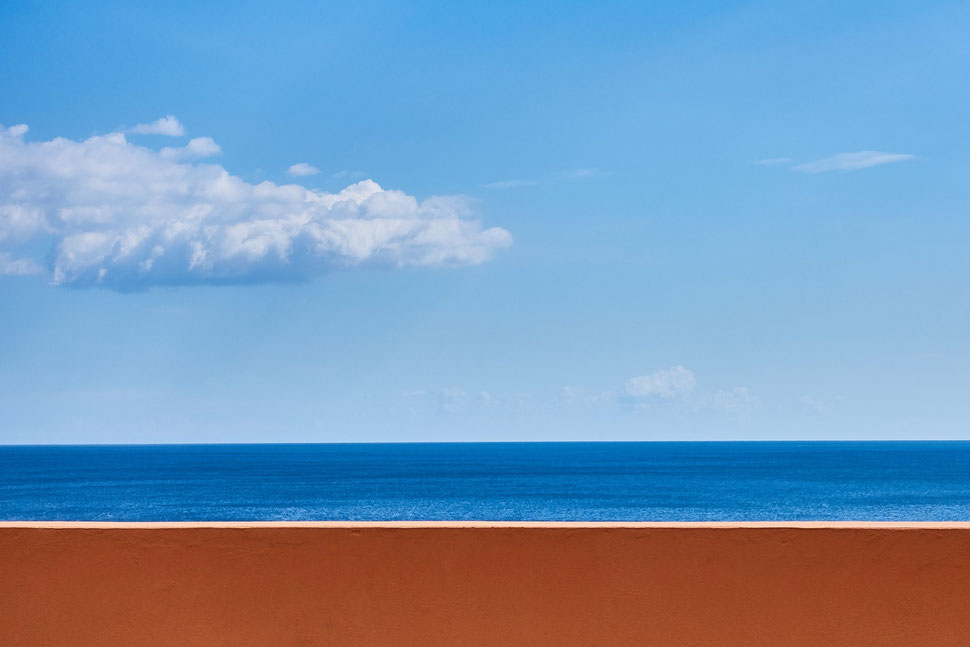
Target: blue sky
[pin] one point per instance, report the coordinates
(492, 221)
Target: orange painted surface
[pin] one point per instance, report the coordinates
(450, 585)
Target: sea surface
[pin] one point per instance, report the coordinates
(643, 481)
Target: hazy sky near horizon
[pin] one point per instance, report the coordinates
(369, 221)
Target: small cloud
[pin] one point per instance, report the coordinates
(168, 126)
(453, 398)
(11, 266)
(773, 161)
(509, 184)
(569, 393)
(302, 170)
(811, 404)
(487, 401)
(581, 174)
(852, 161)
(196, 148)
(736, 400)
(666, 384)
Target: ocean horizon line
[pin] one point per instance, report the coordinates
(779, 441)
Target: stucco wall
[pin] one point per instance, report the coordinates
(447, 584)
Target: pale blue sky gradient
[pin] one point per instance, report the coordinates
(668, 173)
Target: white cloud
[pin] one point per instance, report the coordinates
(302, 170)
(852, 161)
(11, 266)
(127, 217)
(198, 147)
(169, 126)
(669, 383)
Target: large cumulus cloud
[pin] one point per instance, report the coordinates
(125, 216)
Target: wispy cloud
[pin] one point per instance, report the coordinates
(581, 173)
(736, 400)
(811, 404)
(128, 217)
(570, 174)
(670, 388)
(773, 161)
(302, 169)
(411, 393)
(168, 126)
(348, 175)
(852, 161)
(669, 383)
(12, 266)
(570, 393)
(510, 184)
(454, 399)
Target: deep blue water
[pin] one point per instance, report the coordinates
(490, 481)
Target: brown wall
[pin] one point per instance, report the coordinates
(446, 584)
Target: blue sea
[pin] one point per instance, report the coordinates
(641, 481)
